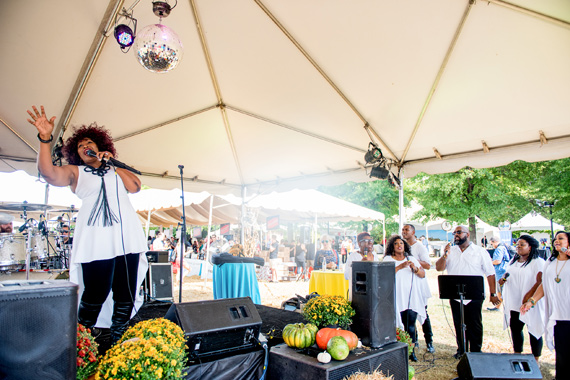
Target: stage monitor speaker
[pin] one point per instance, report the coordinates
(159, 282)
(218, 326)
(157, 256)
(38, 330)
(373, 300)
(483, 366)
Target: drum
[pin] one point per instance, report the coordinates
(12, 251)
(43, 246)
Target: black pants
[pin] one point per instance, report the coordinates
(562, 348)
(426, 328)
(118, 274)
(409, 320)
(474, 324)
(518, 336)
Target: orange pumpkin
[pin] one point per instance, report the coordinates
(325, 334)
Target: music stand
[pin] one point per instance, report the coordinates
(455, 287)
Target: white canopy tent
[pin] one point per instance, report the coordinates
(534, 221)
(275, 95)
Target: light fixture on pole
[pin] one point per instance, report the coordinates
(126, 32)
(157, 47)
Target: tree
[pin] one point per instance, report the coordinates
(494, 195)
(377, 195)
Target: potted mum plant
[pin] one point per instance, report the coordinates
(327, 310)
(151, 349)
(87, 350)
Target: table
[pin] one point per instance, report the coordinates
(233, 280)
(197, 267)
(328, 282)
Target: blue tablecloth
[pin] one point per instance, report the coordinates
(234, 280)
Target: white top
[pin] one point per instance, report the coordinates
(97, 242)
(474, 260)
(520, 281)
(353, 256)
(420, 252)
(409, 294)
(557, 297)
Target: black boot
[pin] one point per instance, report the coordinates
(88, 313)
(120, 319)
(87, 316)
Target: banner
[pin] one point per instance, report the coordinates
(224, 229)
(272, 222)
(197, 232)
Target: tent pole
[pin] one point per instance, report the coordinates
(243, 195)
(147, 226)
(205, 275)
(384, 232)
(401, 203)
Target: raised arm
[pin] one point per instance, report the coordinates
(442, 262)
(54, 175)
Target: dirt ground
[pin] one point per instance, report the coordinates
(440, 366)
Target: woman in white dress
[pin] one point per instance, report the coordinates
(521, 279)
(555, 289)
(410, 299)
(106, 260)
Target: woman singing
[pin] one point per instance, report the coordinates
(521, 279)
(555, 289)
(108, 236)
(410, 298)
(326, 253)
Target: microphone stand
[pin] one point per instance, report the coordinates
(183, 234)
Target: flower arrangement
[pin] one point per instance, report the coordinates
(87, 350)
(152, 349)
(404, 337)
(328, 310)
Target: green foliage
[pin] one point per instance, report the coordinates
(376, 195)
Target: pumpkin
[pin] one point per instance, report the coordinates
(324, 357)
(299, 335)
(325, 334)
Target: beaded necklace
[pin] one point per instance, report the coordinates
(101, 207)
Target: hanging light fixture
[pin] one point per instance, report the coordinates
(157, 47)
(125, 33)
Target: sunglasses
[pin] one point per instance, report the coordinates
(458, 232)
(324, 241)
(366, 241)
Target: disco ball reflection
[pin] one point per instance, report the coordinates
(158, 48)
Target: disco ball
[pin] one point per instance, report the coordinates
(158, 48)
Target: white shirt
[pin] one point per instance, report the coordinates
(409, 293)
(420, 252)
(354, 256)
(520, 281)
(557, 296)
(474, 260)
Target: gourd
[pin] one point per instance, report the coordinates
(325, 334)
(324, 357)
(299, 335)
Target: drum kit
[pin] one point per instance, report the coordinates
(41, 244)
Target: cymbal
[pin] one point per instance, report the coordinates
(25, 206)
(69, 209)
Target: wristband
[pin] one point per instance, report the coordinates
(45, 141)
(532, 301)
(493, 294)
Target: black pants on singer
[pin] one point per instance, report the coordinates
(409, 321)
(518, 337)
(562, 348)
(118, 274)
(474, 324)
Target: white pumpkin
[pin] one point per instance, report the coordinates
(324, 357)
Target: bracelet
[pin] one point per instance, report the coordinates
(45, 141)
(532, 301)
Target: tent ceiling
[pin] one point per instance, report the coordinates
(276, 95)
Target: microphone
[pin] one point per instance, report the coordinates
(365, 251)
(23, 227)
(42, 226)
(115, 162)
(563, 249)
(505, 276)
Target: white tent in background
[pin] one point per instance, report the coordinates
(534, 221)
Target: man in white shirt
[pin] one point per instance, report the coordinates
(421, 254)
(466, 258)
(365, 252)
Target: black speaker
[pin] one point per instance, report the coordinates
(373, 300)
(158, 283)
(38, 330)
(487, 366)
(218, 326)
(157, 256)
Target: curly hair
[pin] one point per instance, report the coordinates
(555, 252)
(390, 246)
(99, 135)
(534, 245)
